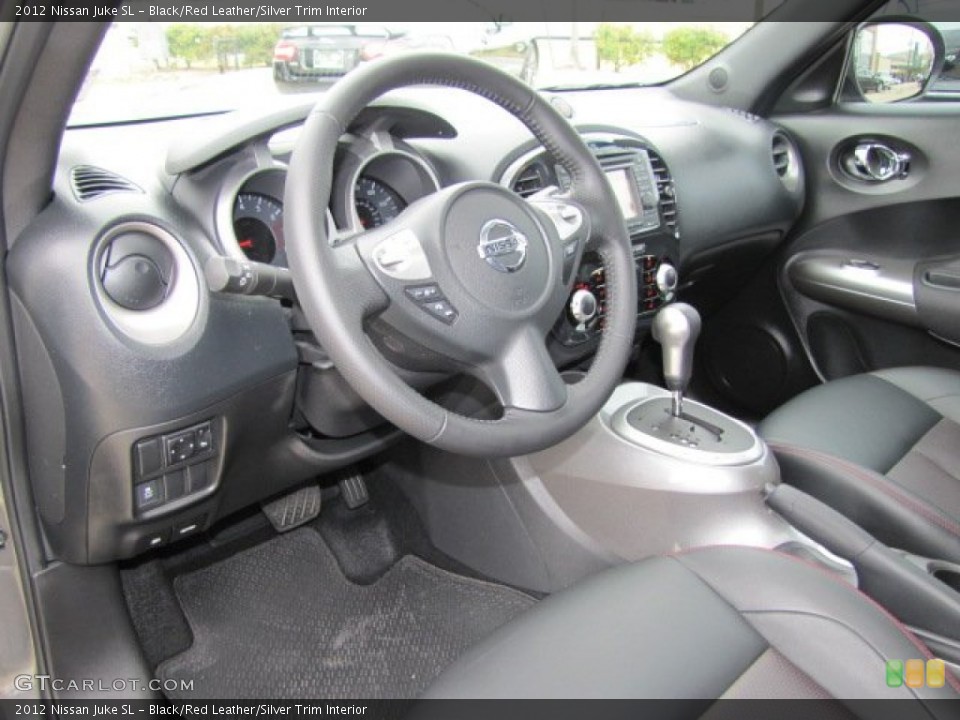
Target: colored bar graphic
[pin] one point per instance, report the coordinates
(914, 673)
(936, 673)
(894, 673)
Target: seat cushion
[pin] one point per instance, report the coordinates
(882, 448)
(715, 623)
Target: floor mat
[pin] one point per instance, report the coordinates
(281, 621)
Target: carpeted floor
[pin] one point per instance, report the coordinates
(281, 620)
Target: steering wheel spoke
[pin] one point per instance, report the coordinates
(366, 296)
(523, 375)
(572, 225)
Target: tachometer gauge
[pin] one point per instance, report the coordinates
(258, 225)
(376, 203)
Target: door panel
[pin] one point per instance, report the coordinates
(871, 277)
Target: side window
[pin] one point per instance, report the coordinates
(908, 50)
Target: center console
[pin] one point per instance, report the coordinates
(641, 482)
(645, 192)
(653, 473)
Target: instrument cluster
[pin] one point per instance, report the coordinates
(376, 179)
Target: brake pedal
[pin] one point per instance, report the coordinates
(293, 510)
(353, 490)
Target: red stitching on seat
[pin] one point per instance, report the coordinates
(879, 481)
(904, 630)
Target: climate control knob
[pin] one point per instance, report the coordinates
(583, 307)
(667, 280)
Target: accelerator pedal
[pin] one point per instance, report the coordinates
(293, 510)
(353, 490)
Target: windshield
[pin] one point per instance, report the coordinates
(159, 69)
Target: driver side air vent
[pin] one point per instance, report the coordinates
(530, 181)
(668, 198)
(786, 161)
(91, 182)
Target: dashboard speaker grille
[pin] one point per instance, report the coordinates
(91, 182)
(748, 116)
(668, 199)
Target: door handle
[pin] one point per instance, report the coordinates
(875, 162)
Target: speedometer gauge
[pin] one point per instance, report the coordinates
(258, 225)
(376, 202)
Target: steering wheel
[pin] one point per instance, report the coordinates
(469, 279)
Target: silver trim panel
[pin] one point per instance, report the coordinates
(385, 148)
(247, 179)
(877, 286)
(636, 502)
(621, 425)
(172, 318)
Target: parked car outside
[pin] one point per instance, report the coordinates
(308, 55)
(872, 82)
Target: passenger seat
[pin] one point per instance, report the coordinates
(882, 448)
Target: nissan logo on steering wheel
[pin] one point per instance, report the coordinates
(502, 245)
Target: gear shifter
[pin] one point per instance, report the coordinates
(676, 327)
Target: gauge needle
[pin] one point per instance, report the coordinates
(246, 243)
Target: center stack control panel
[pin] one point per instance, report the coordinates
(645, 192)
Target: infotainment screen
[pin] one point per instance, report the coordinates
(624, 187)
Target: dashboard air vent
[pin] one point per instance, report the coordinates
(530, 181)
(613, 155)
(781, 155)
(668, 199)
(91, 182)
(786, 161)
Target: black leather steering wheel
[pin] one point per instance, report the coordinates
(496, 271)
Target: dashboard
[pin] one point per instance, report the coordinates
(156, 405)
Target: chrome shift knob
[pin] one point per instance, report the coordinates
(676, 327)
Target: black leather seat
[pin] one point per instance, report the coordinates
(722, 622)
(883, 449)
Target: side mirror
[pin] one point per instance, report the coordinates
(894, 59)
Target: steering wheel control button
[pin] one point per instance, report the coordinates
(567, 219)
(424, 293)
(502, 245)
(569, 260)
(148, 457)
(442, 311)
(401, 257)
(148, 495)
